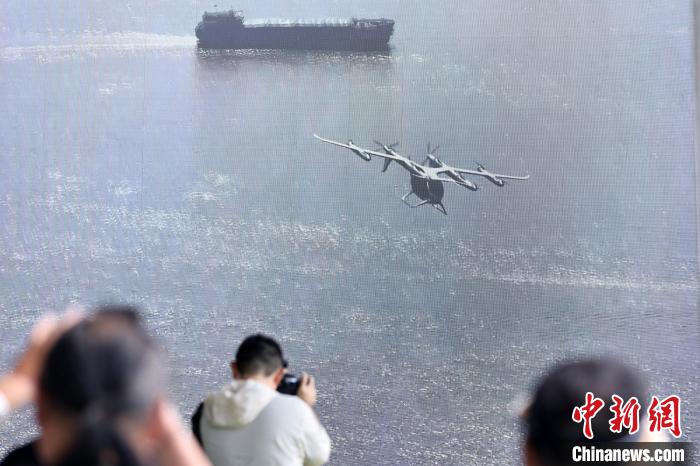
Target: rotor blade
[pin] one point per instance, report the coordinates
(435, 149)
(386, 164)
(378, 143)
(392, 145)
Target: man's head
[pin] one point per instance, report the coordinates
(99, 386)
(259, 357)
(550, 430)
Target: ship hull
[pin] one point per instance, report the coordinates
(219, 36)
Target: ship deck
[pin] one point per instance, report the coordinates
(280, 22)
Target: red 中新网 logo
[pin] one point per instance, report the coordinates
(663, 414)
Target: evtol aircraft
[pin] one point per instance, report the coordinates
(426, 180)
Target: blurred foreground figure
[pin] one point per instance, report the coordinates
(19, 387)
(99, 400)
(250, 423)
(550, 430)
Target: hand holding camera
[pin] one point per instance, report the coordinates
(307, 389)
(304, 387)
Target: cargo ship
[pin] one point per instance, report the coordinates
(230, 30)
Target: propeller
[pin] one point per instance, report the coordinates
(431, 154)
(384, 147)
(390, 146)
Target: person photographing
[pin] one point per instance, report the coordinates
(250, 422)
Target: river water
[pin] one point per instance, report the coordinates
(135, 167)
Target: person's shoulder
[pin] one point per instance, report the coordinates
(290, 400)
(22, 456)
(293, 404)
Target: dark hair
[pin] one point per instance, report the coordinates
(102, 371)
(549, 426)
(259, 354)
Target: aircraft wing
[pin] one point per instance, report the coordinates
(439, 178)
(381, 154)
(489, 175)
(335, 143)
(368, 151)
(511, 177)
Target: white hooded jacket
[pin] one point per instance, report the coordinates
(249, 424)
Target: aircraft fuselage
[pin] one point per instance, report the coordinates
(428, 190)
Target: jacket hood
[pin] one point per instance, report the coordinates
(238, 404)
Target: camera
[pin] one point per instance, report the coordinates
(289, 384)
